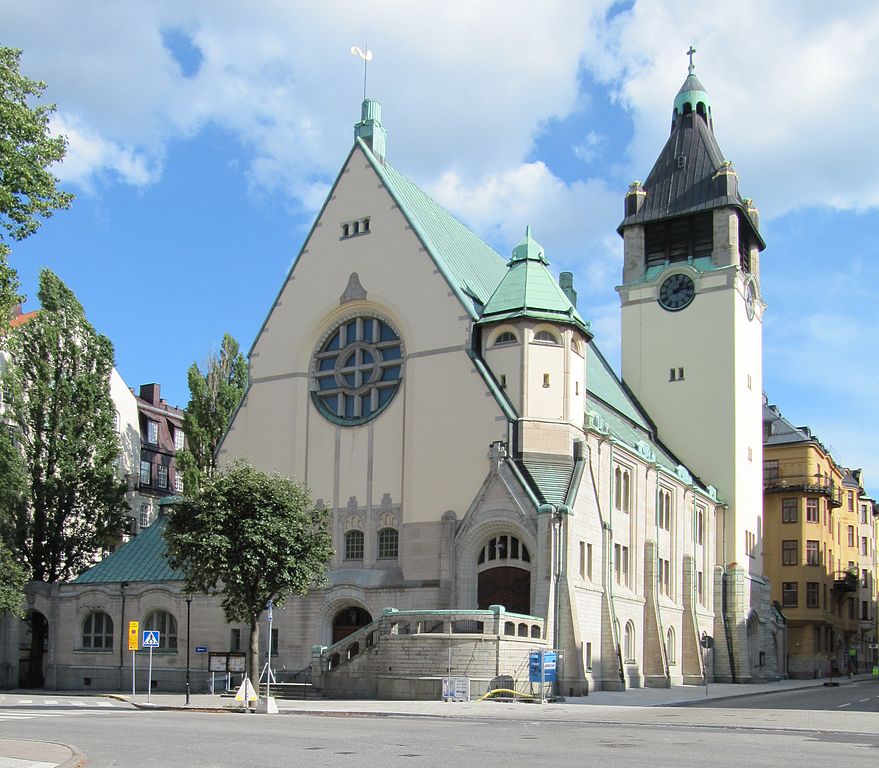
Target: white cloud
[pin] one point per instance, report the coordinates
(788, 84)
(588, 149)
(89, 154)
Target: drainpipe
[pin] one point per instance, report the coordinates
(122, 588)
(723, 609)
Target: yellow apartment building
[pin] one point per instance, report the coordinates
(811, 548)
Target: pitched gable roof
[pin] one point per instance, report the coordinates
(471, 267)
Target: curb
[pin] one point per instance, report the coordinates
(810, 687)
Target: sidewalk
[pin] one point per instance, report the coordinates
(17, 753)
(569, 709)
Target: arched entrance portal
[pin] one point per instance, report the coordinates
(349, 620)
(504, 575)
(34, 642)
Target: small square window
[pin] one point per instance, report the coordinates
(545, 379)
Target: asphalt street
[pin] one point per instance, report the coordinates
(119, 735)
(862, 696)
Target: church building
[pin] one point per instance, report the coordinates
(479, 457)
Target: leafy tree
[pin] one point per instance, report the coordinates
(250, 537)
(214, 395)
(28, 189)
(58, 454)
(12, 583)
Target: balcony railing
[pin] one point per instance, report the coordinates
(845, 581)
(803, 484)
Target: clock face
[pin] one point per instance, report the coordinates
(750, 299)
(676, 292)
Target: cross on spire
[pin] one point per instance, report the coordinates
(690, 54)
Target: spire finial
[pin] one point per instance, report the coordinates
(690, 53)
(366, 55)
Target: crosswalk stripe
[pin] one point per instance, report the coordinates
(50, 702)
(26, 701)
(106, 704)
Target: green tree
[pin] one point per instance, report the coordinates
(250, 537)
(60, 448)
(214, 395)
(28, 189)
(12, 583)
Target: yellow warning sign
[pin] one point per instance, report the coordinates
(133, 628)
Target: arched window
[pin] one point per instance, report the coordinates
(546, 336)
(664, 521)
(97, 631)
(670, 649)
(505, 337)
(354, 545)
(629, 642)
(621, 489)
(166, 625)
(504, 547)
(388, 543)
(577, 346)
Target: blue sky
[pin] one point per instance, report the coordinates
(204, 136)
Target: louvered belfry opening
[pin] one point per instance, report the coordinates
(679, 239)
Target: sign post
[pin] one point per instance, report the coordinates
(707, 643)
(150, 640)
(133, 628)
(269, 659)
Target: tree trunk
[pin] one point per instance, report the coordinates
(253, 665)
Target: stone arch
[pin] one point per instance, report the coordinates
(339, 600)
(501, 522)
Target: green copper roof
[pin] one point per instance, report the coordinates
(472, 268)
(529, 290)
(602, 383)
(140, 559)
(692, 92)
(551, 479)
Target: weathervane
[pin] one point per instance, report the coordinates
(689, 53)
(366, 55)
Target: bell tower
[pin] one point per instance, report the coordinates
(692, 318)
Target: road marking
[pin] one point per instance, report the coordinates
(847, 704)
(50, 702)
(863, 700)
(25, 701)
(77, 704)
(106, 704)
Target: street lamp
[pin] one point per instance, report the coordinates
(188, 616)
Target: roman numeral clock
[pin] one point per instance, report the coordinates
(676, 292)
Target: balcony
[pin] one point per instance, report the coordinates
(845, 581)
(803, 484)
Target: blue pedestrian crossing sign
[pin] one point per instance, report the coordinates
(151, 638)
